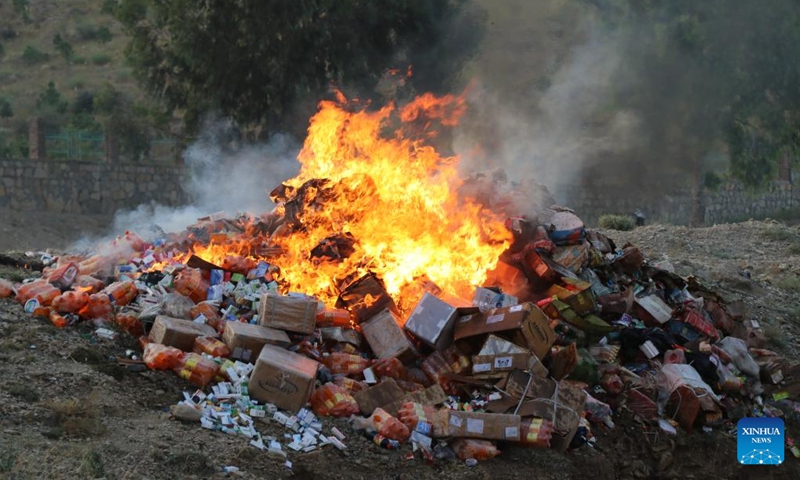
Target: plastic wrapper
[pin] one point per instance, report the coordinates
(209, 310)
(466, 448)
(161, 357)
(192, 283)
(70, 302)
(352, 386)
(389, 367)
(129, 323)
(536, 432)
(98, 307)
(196, 369)
(333, 400)
(122, 293)
(410, 414)
(736, 348)
(345, 363)
(176, 305)
(728, 382)
(6, 288)
(389, 426)
(597, 409)
(211, 346)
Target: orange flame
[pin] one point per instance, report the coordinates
(395, 194)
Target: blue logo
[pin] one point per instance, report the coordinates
(760, 441)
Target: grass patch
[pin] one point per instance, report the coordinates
(23, 392)
(11, 346)
(101, 59)
(779, 234)
(789, 282)
(795, 249)
(92, 465)
(8, 458)
(32, 55)
(75, 417)
(616, 222)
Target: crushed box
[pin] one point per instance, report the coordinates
(246, 341)
(174, 332)
(488, 426)
(487, 298)
(381, 394)
(283, 378)
(384, 334)
(294, 314)
(525, 324)
(433, 319)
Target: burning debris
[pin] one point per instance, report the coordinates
(350, 299)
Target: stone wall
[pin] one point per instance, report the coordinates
(88, 187)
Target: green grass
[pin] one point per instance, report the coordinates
(790, 283)
(779, 234)
(101, 59)
(616, 222)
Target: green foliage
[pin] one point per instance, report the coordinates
(50, 101)
(125, 120)
(22, 8)
(790, 283)
(2, 51)
(254, 61)
(109, 7)
(32, 55)
(84, 103)
(616, 222)
(88, 32)
(101, 59)
(63, 46)
(712, 181)
(5, 108)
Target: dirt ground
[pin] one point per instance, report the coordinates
(67, 411)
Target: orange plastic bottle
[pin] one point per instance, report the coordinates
(123, 293)
(193, 284)
(352, 386)
(42, 312)
(58, 320)
(161, 357)
(334, 401)
(208, 310)
(99, 306)
(70, 302)
(466, 448)
(46, 295)
(333, 317)
(26, 291)
(536, 432)
(346, 363)
(238, 264)
(211, 346)
(410, 414)
(97, 265)
(389, 367)
(6, 288)
(389, 426)
(196, 369)
(64, 276)
(129, 322)
(89, 284)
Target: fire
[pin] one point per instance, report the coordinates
(373, 178)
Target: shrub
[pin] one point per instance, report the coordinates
(616, 222)
(101, 59)
(63, 46)
(88, 32)
(104, 35)
(5, 108)
(33, 55)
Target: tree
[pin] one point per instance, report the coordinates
(5, 108)
(255, 61)
(50, 101)
(123, 120)
(63, 47)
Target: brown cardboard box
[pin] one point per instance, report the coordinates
(526, 324)
(353, 297)
(283, 378)
(246, 341)
(381, 394)
(433, 395)
(293, 314)
(504, 362)
(384, 334)
(178, 333)
(489, 426)
(433, 319)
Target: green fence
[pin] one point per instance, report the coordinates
(90, 146)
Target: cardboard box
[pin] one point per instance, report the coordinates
(652, 310)
(381, 394)
(489, 426)
(577, 294)
(525, 324)
(294, 314)
(174, 332)
(384, 334)
(353, 298)
(433, 395)
(283, 378)
(246, 341)
(487, 298)
(504, 362)
(433, 319)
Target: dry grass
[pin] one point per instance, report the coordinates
(789, 283)
(75, 417)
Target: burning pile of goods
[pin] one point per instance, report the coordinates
(377, 289)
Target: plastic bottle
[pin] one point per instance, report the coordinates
(345, 363)
(46, 295)
(468, 448)
(59, 320)
(70, 302)
(211, 346)
(27, 291)
(129, 322)
(99, 306)
(6, 288)
(333, 317)
(238, 264)
(332, 400)
(536, 432)
(161, 357)
(193, 284)
(97, 265)
(64, 276)
(381, 440)
(389, 426)
(196, 369)
(352, 386)
(121, 293)
(389, 367)
(89, 284)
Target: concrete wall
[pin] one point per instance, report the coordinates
(88, 187)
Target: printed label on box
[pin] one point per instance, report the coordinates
(515, 308)
(512, 432)
(455, 421)
(482, 367)
(502, 362)
(474, 425)
(495, 319)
